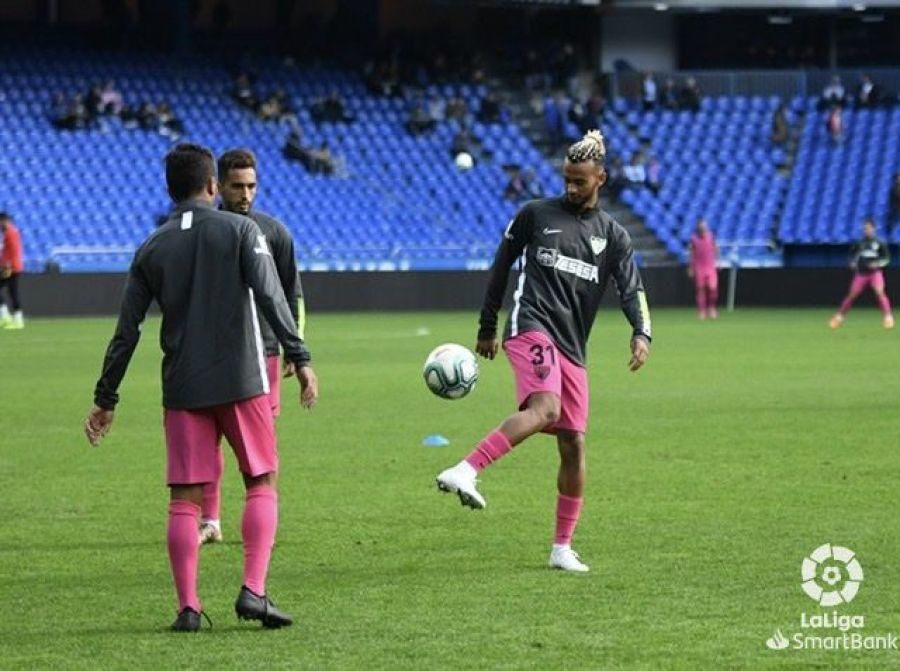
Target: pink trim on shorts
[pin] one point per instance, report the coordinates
(193, 436)
(273, 366)
(539, 366)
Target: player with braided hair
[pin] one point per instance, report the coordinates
(567, 248)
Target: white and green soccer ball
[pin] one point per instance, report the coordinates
(451, 371)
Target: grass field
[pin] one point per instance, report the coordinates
(742, 446)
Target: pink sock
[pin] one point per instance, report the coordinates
(885, 304)
(494, 446)
(568, 509)
(212, 492)
(258, 530)
(184, 551)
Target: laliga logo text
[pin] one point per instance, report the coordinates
(831, 575)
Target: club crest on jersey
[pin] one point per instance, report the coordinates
(542, 371)
(261, 247)
(598, 245)
(546, 256)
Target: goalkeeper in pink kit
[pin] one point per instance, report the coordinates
(867, 258)
(702, 268)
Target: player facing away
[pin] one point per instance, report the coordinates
(702, 268)
(867, 258)
(204, 268)
(568, 249)
(11, 267)
(237, 190)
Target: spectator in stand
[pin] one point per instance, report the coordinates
(515, 187)
(111, 101)
(615, 179)
(242, 92)
(489, 112)
(780, 127)
(690, 95)
(649, 94)
(276, 107)
(147, 116)
(457, 109)
(67, 115)
(93, 102)
(596, 109)
(169, 125)
(653, 171)
(869, 94)
(634, 172)
(419, 120)
(670, 97)
(834, 123)
(833, 94)
(579, 117)
(437, 109)
(536, 76)
(330, 109)
(894, 205)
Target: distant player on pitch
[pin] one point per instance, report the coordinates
(568, 249)
(702, 268)
(237, 189)
(11, 267)
(204, 268)
(867, 258)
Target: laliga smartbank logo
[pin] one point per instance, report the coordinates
(831, 576)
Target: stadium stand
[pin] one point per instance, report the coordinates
(834, 186)
(85, 198)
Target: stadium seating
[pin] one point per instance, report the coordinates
(85, 199)
(835, 186)
(717, 163)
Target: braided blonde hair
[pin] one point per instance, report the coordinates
(589, 148)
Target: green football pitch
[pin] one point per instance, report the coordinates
(743, 446)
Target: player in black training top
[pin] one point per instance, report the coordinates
(567, 250)
(237, 190)
(209, 271)
(868, 258)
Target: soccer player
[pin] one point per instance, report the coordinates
(568, 249)
(11, 267)
(204, 268)
(867, 258)
(702, 267)
(237, 189)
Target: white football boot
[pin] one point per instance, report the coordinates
(460, 480)
(565, 558)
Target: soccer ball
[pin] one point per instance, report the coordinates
(464, 161)
(450, 371)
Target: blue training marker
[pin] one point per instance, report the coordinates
(435, 440)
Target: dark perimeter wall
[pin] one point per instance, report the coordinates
(89, 294)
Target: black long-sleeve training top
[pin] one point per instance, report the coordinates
(566, 259)
(204, 268)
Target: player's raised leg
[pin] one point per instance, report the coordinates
(538, 394)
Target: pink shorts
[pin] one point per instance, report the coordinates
(273, 365)
(863, 280)
(539, 366)
(193, 436)
(706, 278)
